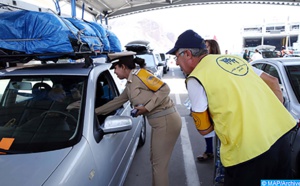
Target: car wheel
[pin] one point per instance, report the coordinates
(142, 139)
(165, 70)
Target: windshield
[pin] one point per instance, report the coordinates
(294, 75)
(149, 59)
(35, 115)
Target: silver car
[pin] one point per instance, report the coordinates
(287, 70)
(50, 134)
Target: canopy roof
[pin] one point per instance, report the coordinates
(117, 8)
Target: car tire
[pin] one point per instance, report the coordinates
(165, 70)
(142, 139)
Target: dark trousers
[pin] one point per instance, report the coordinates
(209, 145)
(273, 164)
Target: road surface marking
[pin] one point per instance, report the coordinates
(177, 98)
(192, 177)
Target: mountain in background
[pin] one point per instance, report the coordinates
(161, 40)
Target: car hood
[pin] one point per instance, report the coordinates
(30, 169)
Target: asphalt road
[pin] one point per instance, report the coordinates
(184, 169)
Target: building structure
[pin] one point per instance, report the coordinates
(277, 34)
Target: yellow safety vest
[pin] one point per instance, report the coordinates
(248, 117)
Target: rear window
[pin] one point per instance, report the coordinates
(149, 59)
(269, 54)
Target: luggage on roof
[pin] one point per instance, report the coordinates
(27, 35)
(32, 32)
(138, 46)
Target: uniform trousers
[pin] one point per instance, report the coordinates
(164, 133)
(273, 164)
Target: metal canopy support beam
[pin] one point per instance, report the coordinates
(73, 7)
(138, 8)
(57, 7)
(82, 12)
(117, 8)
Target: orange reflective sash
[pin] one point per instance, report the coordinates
(151, 81)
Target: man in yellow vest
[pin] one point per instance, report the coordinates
(250, 121)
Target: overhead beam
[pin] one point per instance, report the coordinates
(156, 6)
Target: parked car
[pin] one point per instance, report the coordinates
(265, 53)
(143, 50)
(287, 70)
(292, 55)
(46, 140)
(164, 61)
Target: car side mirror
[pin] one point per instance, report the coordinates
(114, 124)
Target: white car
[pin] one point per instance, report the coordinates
(287, 70)
(143, 50)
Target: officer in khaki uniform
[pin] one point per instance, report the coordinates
(150, 96)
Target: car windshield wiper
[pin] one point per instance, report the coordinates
(3, 152)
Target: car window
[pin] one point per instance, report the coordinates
(158, 58)
(149, 59)
(258, 65)
(294, 76)
(106, 90)
(269, 54)
(34, 112)
(162, 56)
(270, 69)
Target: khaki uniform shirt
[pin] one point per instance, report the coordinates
(138, 93)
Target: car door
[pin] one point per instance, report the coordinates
(160, 68)
(274, 71)
(113, 152)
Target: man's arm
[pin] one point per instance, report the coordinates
(273, 83)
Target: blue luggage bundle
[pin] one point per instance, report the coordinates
(115, 44)
(85, 34)
(27, 35)
(32, 32)
(101, 32)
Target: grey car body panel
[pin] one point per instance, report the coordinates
(30, 169)
(88, 162)
(290, 100)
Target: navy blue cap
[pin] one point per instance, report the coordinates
(188, 39)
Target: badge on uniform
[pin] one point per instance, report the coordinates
(151, 81)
